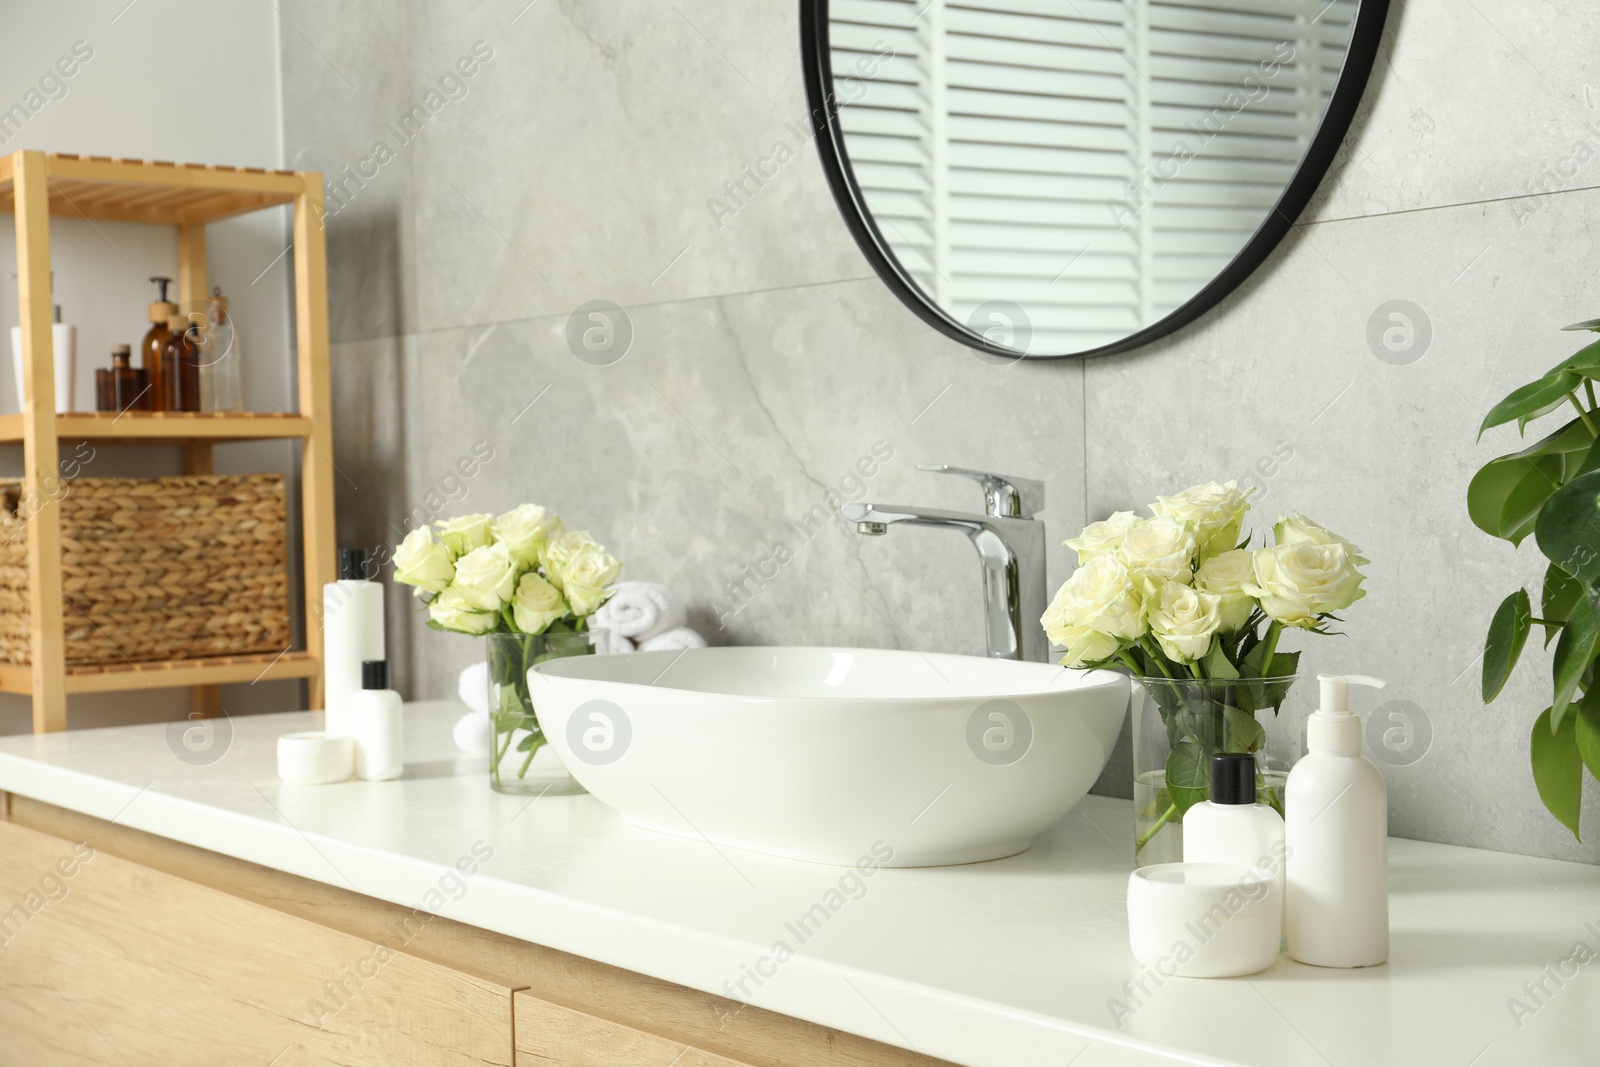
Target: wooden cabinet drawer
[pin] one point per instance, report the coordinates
(554, 1036)
(105, 961)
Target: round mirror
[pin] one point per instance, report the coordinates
(1053, 178)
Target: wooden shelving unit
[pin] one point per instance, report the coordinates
(36, 185)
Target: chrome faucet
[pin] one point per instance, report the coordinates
(1010, 544)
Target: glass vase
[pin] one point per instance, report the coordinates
(1178, 724)
(520, 761)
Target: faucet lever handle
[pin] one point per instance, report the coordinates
(1003, 495)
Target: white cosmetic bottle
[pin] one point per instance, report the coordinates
(375, 725)
(1337, 908)
(1231, 827)
(352, 633)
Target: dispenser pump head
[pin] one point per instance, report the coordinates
(1333, 729)
(162, 309)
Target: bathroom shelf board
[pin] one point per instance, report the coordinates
(169, 674)
(164, 427)
(36, 186)
(136, 190)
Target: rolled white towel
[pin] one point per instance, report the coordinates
(472, 733)
(675, 638)
(640, 611)
(473, 687)
(613, 642)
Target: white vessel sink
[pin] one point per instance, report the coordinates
(834, 755)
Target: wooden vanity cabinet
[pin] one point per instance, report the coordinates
(118, 947)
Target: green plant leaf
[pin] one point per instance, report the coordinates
(1244, 733)
(1587, 730)
(1574, 650)
(1568, 529)
(1587, 356)
(1493, 485)
(1558, 769)
(1508, 632)
(1519, 516)
(1561, 593)
(1217, 664)
(1188, 778)
(1586, 324)
(1535, 398)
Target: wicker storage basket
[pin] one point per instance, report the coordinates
(156, 569)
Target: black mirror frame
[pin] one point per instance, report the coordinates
(815, 55)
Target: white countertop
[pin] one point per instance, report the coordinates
(1013, 963)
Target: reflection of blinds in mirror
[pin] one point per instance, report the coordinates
(1095, 162)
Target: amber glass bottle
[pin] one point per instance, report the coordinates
(121, 387)
(155, 342)
(180, 366)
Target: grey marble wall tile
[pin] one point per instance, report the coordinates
(1378, 443)
(345, 82)
(1473, 101)
(709, 445)
(590, 157)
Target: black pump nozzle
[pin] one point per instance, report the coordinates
(161, 288)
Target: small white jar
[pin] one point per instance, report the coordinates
(1205, 920)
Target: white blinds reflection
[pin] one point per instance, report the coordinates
(1095, 162)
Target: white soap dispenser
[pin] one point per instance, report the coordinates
(1337, 837)
(1231, 827)
(352, 634)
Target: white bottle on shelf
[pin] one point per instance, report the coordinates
(375, 725)
(1337, 908)
(352, 633)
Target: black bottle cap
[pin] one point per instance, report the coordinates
(1233, 778)
(352, 564)
(375, 675)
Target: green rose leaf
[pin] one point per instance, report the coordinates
(1489, 495)
(1558, 769)
(1574, 649)
(1217, 664)
(1568, 529)
(1188, 777)
(1508, 632)
(1587, 730)
(1244, 733)
(1534, 399)
(1561, 594)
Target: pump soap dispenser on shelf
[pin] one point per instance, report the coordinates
(1337, 840)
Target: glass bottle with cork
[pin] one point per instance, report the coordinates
(180, 365)
(122, 387)
(151, 348)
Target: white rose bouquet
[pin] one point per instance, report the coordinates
(524, 581)
(1183, 602)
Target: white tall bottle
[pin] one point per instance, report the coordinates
(1337, 837)
(352, 634)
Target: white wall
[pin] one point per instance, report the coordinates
(180, 80)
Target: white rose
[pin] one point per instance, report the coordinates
(454, 612)
(1096, 611)
(1184, 621)
(524, 530)
(464, 534)
(559, 551)
(586, 576)
(536, 604)
(1225, 577)
(423, 562)
(1296, 529)
(1082, 645)
(485, 577)
(1296, 583)
(1104, 536)
(1157, 551)
(1214, 512)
